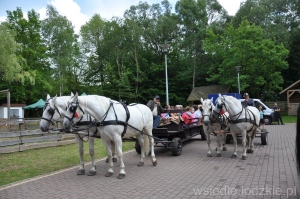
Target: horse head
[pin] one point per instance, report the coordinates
(207, 107)
(73, 111)
(50, 113)
(218, 109)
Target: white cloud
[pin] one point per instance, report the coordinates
(2, 18)
(231, 6)
(72, 11)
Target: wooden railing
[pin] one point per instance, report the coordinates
(24, 135)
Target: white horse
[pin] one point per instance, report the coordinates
(242, 120)
(115, 121)
(53, 110)
(213, 126)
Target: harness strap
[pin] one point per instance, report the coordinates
(117, 122)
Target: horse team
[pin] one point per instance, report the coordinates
(112, 120)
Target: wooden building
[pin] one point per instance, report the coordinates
(293, 97)
(203, 92)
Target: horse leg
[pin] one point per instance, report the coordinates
(107, 143)
(141, 142)
(234, 155)
(250, 143)
(153, 159)
(92, 171)
(81, 170)
(118, 143)
(224, 141)
(244, 144)
(218, 145)
(113, 148)
(207, 132)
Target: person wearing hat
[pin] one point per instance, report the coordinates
(156, 109)
(247, 101)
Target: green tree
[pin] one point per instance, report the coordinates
(32, 50)
(62, 49)
(261, 60)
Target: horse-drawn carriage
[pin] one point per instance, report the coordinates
(173, 135)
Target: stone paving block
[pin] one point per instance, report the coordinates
(190, 175)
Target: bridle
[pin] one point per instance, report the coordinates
(51, 111)
(73, 108)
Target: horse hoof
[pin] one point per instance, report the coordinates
(249, 150)
(115, 160)
(219, 155)
(81, 172)
(91, 173)
(121, 176)
(108, 174)
(244, 157)
(224, 148)
(234, 156)
(141, 164)
(154, 163)
(106, 161)
(209, 155)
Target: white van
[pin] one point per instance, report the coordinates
(268, 113)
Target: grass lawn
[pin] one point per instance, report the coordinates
(287, 119)
(27, 164)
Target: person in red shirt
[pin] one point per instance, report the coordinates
(188, 116)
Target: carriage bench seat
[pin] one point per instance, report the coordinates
(160, 132)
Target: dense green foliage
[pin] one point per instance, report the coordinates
(122, 58)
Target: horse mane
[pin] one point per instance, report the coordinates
(297, 148)
(233, 99)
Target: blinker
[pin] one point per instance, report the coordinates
(51, 111)
(73, 109)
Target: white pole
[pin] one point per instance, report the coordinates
(167, 90)
(239, 82)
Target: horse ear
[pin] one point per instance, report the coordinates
(220, 95)
(76, 95)
(212, 99)
(72, 94)
(201, 100)
(48, 96)
(54, 99)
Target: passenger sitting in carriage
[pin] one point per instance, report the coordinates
(198, 114)
(166, 115)
(188, 116)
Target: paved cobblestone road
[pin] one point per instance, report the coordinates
(270, 172)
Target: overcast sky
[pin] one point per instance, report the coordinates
(80, 11)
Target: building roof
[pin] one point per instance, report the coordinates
(203, 92)
(294, 86)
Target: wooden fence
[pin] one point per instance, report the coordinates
(23, 135)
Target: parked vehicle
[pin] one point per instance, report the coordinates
(269, 116)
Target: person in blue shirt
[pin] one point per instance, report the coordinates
(248, 101)
(262, 120)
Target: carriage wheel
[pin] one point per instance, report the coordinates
(176, 146)
(137, 147)
(264, 138)
(228, 138)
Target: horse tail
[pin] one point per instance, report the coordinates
(297, 149)
(146, 144)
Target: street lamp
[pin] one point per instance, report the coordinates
(165, 48)
(238, 68)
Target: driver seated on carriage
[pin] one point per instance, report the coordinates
(248, 101)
